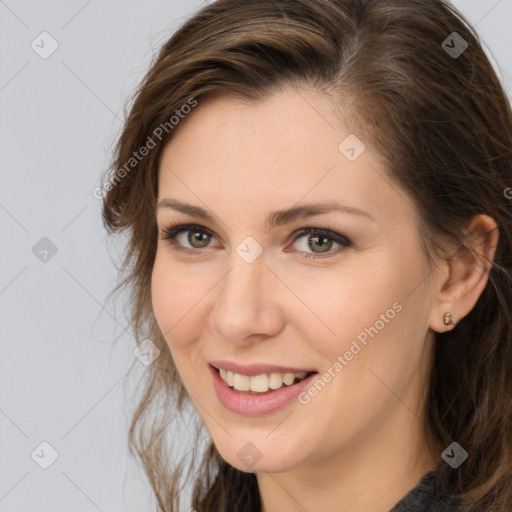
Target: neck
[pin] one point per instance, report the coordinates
(373, 473)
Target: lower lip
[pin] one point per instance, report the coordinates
(255, 405)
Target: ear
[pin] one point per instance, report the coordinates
(463, 277)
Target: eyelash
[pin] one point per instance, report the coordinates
(169, 233)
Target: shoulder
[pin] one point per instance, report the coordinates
(423, 498)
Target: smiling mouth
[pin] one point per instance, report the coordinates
(260, 384)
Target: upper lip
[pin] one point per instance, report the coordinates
(257, 369)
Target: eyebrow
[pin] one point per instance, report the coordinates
(273, 219)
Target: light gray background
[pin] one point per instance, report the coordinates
(61, 377)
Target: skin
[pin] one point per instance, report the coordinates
(360, 443)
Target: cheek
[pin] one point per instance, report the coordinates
(326, 307)
(367, 311)
(338, 306)
(176, 299)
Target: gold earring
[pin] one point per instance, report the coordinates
(448, 319)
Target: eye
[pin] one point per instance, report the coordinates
(192, 237)
(179, 236)
(320, 241)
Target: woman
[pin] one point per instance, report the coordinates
(319, 246)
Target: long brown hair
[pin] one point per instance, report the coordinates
(441, 122)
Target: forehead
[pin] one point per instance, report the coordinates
(276, 152)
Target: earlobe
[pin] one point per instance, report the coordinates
(468, 272)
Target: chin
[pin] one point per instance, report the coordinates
(251, 457)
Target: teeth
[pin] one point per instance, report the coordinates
(259, 383)
(241, 382)
(227, 376)
(276, 380)
(288, 378)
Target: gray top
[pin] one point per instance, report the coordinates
(423, 498)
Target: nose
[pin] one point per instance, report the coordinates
(246, 305)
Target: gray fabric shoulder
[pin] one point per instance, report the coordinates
(423, 498)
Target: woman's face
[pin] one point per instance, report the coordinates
(245, 290)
